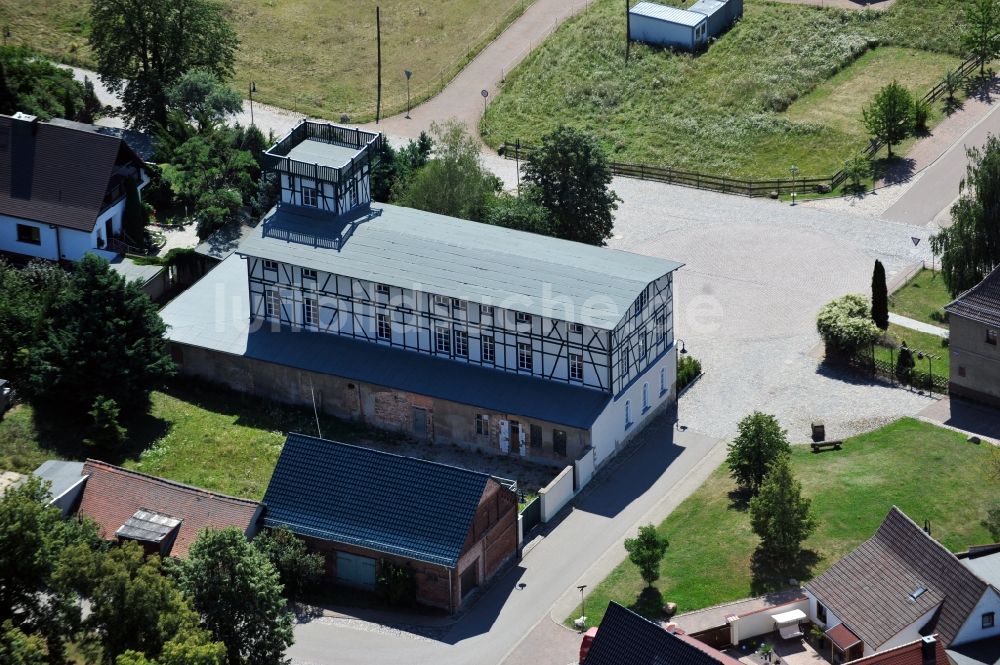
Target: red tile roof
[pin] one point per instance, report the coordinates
(908, 654)
(112, 494)
(842, 636)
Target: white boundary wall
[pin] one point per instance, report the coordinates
(556, 494)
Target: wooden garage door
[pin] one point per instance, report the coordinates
(356, 570)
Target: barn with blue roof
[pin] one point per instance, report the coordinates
(366, 510)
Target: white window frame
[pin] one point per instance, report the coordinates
(310, 310)
(525, 357)
(462, 343)
(488, 351)
(645, 396)
(442, 339)
(486, 310)
(522, 317)
(272, 303)
(442, 301)
(383, 327)
(628, 414)
(270, 264)
(576, 328)
(663, 380)
(382, 289)
(576, 366)
(482, 424)
(308, 273)
(310, 196)
(459, 305)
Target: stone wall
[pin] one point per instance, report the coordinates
(386, 408)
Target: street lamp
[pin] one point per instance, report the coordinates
(677, 424)
(583, 604)
(794, 170)
(408, 74)
(253, 89)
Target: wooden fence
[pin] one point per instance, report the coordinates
(745, 187)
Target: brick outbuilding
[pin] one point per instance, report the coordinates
(367, 510)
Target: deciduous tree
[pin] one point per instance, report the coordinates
(646, 551)
(571, 178)
(970, 248)
(880, 297)
(238, 593)
(981, 31)
(142, 48)
(889, 116)
(780, 515)
(202, 98)
(760, 442)
(298, 569)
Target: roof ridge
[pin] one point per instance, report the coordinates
(164, 481)
(388, 454)
(920, 529)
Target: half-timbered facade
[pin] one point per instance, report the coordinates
(583, 335)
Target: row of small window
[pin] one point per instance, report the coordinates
(533, 435)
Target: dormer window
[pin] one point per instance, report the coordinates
(310, 197)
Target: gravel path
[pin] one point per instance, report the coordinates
(919, 326)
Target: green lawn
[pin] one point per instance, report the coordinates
(929, 472)
(918, 342)
(922, 298)
(312, 56)
(197, 434)
(784, 87)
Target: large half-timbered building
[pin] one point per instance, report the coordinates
(451, 330)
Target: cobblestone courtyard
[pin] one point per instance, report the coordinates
(756, 273)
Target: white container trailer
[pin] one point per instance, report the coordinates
(667, 26)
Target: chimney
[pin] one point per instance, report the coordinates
(928, 649)
(22, 151)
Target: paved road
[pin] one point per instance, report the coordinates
(461, 98)
(935, 189)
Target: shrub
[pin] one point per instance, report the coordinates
(688, 369)
(858, 169)
(846, 325)
(397, 584)
(105, 430)
(905, 364)
(921, 115)
(297, 568)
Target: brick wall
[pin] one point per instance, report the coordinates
(446, 422)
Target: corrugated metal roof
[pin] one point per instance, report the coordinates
(707, 7)
(312, 151)
(387, 503)
(148, 525)
(480, 263)
(669, 14)
(60, 475)
(215, 314)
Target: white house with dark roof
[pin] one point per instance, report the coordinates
(448, 329)
(974, 320)
(62, 189)
(898, 586)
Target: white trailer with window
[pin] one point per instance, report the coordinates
(667, 26)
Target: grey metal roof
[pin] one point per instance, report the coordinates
(61, 475)
(707, 7)
(368, 498)
(215, 314)
(986, 568)
(323, 153)
(870, 588)
(132, 271)
(668, 14)
(148, 526)
(452, 257)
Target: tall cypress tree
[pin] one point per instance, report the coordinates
(880, 297)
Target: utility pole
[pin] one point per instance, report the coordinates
(378, 46)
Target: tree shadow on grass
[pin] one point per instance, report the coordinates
(649, 603)
(66, 437)
(767, 575)
(739, 499)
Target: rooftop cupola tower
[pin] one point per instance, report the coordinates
(324, 168)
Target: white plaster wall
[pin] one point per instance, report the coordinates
(74, 244)
(610, 432)
(972, 629)
(760, 623)
(556, 494)
(584, 470)
(9, 242)
(831, 618)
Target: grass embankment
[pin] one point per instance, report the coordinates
(929, 472)
(922, 298)
(784, 87)
(201, 435)
(312, 56)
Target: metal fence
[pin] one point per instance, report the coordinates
(921, 377)
(742, 186)
(531, 516)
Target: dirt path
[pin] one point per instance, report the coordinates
(462, 98)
